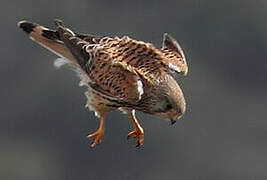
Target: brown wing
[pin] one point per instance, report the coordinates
(143, 57)
(113, 79)
(174, 56)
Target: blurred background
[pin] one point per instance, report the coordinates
(222, 136)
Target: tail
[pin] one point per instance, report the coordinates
(46, 38)
(53, 40)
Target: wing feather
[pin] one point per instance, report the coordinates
(111, 78)
(114, 79)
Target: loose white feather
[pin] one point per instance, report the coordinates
(59, 62)
(89, 102)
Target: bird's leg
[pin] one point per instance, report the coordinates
(138, 131)
(98, 134)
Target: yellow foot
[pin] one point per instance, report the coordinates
(98, 137)
(139, 134)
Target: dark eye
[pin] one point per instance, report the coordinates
(168, 107)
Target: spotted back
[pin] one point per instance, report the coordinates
(144, 58)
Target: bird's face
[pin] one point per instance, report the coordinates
(172, 111)
(172, 103)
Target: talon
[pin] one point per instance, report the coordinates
(99, 135)
(132, 133)
(92, 135)
(139, 134)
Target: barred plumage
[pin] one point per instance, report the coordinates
(120, 72)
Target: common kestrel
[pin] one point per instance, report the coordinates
(120, 73)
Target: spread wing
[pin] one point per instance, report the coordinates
(113, 79)
(143, 57)
(174, 55)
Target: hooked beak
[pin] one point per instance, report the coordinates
(173, 121)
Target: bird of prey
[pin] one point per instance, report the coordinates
(120, 73)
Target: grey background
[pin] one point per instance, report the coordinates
(43, 122)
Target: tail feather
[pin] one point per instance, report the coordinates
(28, 27)
(47, 38)
(93, 39)
(59, 41)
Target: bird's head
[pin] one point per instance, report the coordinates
(172, 103)
(174, 55)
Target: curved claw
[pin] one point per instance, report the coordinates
(99, 133)
(139, 134)
(98, 137)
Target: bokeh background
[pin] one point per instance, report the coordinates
(222, 136)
